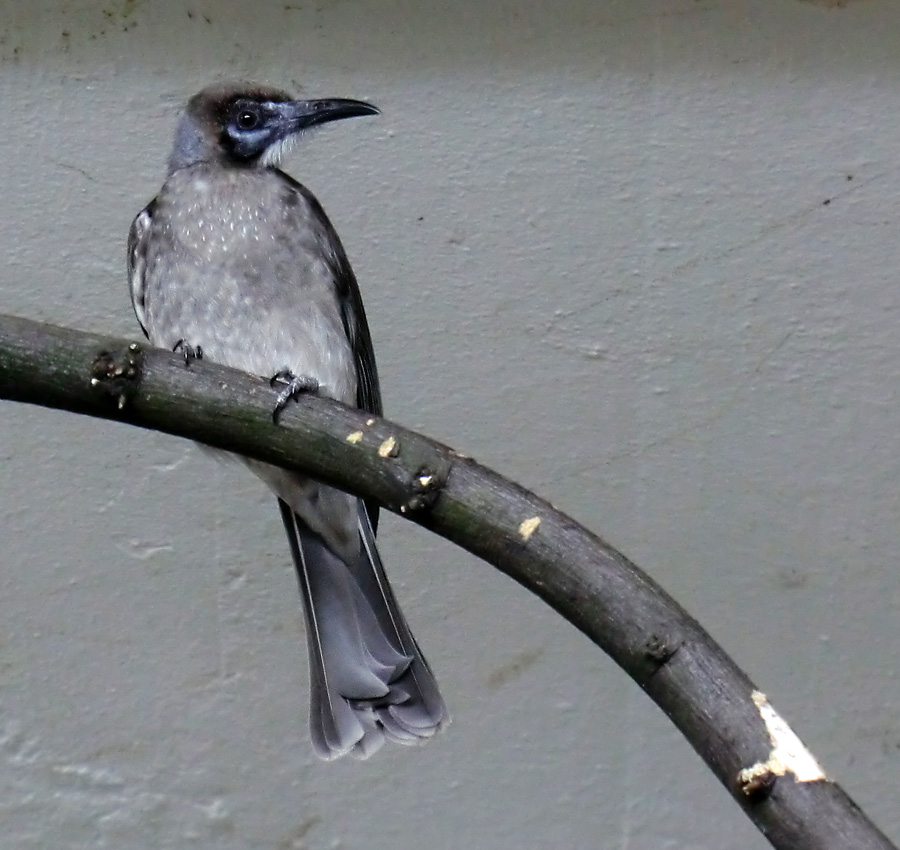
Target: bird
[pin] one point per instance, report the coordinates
(236, 262)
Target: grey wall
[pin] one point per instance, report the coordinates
(641, 256)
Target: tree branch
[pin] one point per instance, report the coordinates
(726, 719)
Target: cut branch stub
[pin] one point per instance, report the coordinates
(117, 372)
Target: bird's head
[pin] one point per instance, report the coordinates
(249, 125)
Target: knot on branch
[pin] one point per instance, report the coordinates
(424, 489)
(118, 372)
(658, 650)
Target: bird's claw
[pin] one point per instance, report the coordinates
(295, 385)
(188, 352)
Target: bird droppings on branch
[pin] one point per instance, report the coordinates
(788, 755)
(529, 526)
(389, 448)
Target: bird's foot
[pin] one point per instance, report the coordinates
(294, 386)
(188, 352)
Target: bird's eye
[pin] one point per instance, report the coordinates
(247, 119)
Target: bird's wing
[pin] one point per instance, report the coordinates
(137, 254)
(368, 391)
(353, 315)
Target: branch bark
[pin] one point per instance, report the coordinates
(713, 703)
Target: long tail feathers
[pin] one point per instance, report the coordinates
(368, 679)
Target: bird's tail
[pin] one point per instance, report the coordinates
(368, 679)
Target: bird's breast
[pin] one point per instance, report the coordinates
(234, 268)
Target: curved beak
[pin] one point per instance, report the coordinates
(300, 114)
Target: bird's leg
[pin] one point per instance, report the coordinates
(294, 386)
(189, 352)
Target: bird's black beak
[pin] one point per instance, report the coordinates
(300, 114)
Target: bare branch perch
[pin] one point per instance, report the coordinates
(724, 716)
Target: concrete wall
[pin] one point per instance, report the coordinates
(641, 256)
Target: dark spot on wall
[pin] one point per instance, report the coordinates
(295, 839)
(830, 4)
(514, 668)
(791, 578)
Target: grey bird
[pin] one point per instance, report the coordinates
(236, 262)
